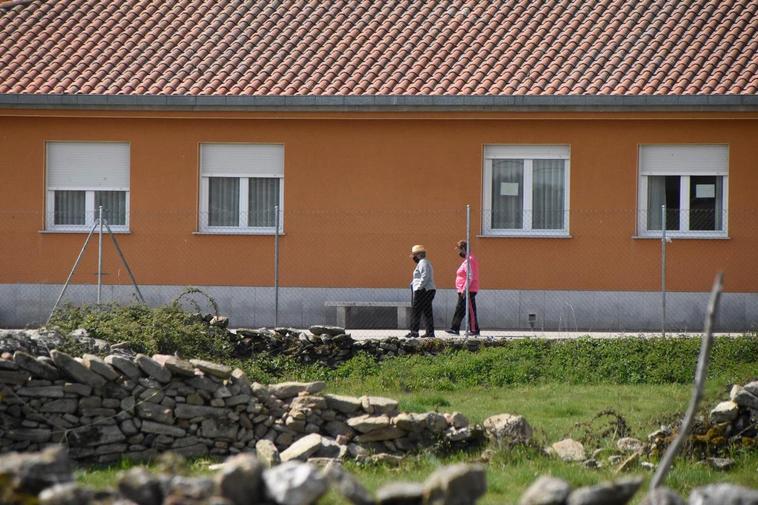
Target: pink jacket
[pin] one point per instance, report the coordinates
(460, 276)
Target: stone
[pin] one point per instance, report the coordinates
(185, 411)
(267, 452)
(41, 391)
(721, 464)
(408, 422)
(662, 496)
(77, 389)
(400, 493)
(569, 450)
(338, 429)
(153, 369)
(302, 448)
(388, 433)
(240, 479)
(618, 492)
(367, 423)
(31, 473)
(175, 365)
(210, 368)
(162, 429)
(65, 494)
(213, 428)
(141, 487)
(34, 366)
(629, 444)
(723, 494)
(724, 412)
(343, 404)
(76, 370)
(155, 412)
(506, 429)
(377, 405)
(751, 387)
(546, 490)
(192, 451)
(348, 486)
(14, 377)
(332, 331)
(100, 367)
(457, 420)
(62, 406)
(124, 365)
(460, 484)
(294, 483)
(189, 489)
(743, 397)
(287, 390)
(35, 435)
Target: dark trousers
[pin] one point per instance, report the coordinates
(422, 304)
(460, 310)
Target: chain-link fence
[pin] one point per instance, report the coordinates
(588, 270)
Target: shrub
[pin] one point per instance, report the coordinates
(163, 330)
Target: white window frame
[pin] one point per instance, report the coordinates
(684, 192)
(244, 187)
(90, 212)
(528, 153)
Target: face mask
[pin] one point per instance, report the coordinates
(416, 259)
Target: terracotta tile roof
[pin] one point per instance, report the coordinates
(396, 47)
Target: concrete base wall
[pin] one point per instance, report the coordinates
(24, 305)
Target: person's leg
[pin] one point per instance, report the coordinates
(473, 321)
(429, 312)
(416, 306)
(460, 309)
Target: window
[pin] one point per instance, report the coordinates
(691, 181)
(240, 185)
(81, 177)
(526, 190)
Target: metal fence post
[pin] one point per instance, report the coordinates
(468, 268)
(276, 266)
(663, 270)
(100, 253)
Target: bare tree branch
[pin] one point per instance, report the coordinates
(698, 387)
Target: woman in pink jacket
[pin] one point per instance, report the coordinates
(460, 286)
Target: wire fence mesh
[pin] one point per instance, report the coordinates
(599, 274)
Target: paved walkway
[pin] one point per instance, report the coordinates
(548, 335)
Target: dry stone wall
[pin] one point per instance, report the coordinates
(136, 407)
(328, 345)
(46, 478)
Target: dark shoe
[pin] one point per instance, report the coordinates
(453, 332)
(411, 334)
(475, 333)
(428, 335)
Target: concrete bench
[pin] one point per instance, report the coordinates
(343, 311)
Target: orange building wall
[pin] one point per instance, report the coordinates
(361, 188)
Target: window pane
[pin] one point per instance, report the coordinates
(507, 194)
(69, 207)
(224, 201)
(663, 190)
(705, 203)
(548, 195)
(263, 196)
(114, 206)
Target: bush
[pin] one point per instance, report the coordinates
(162, 330)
